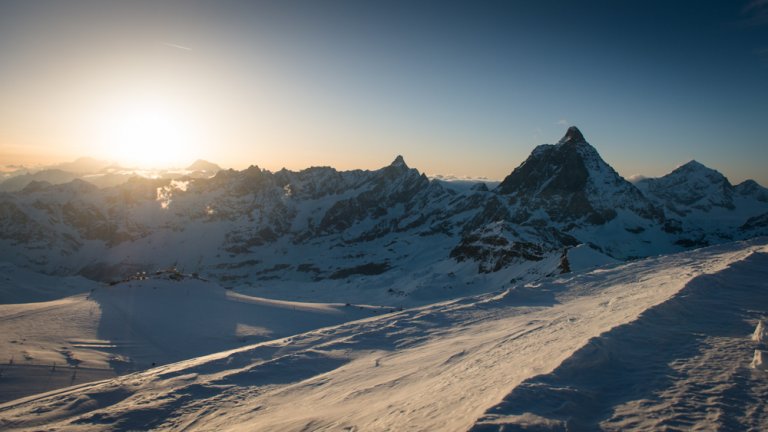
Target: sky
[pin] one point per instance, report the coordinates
(458, 88)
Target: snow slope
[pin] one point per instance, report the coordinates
(142, 323)
(682, 365)
(463, 363)
(20, 285)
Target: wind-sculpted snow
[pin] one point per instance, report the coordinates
(613, 343)
(683, 364)
(134, 325)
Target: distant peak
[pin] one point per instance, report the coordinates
(697, 169)
(203, 165)
(572, 135)
(693, 164)
(399, 162)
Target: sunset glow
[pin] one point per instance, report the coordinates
(147, 134)
(456, 89)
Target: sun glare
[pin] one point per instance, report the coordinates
(147, 135)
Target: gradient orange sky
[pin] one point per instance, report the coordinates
(454, 87)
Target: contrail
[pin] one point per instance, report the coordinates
(181, 47)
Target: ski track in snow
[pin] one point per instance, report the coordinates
(603, 347)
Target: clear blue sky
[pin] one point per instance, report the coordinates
(463, 88)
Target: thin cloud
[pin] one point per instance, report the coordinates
(755, 4)
(181, 47)
(756, 13)
(562, 122)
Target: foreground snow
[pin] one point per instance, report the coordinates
(669, 336)
(138, 324)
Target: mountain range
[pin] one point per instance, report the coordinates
(298, 234)
(98, 172)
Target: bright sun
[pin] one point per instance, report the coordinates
(147, 135)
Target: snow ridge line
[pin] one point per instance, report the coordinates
(644, 374)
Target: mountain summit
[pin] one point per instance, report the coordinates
(573, 135)
(570, 181)
(399, 162)
(691, 186)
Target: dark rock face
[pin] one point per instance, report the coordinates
(554, 170)
(367, 269)
(572, 135)
(393, 185)
(757, 224)
(494, 252)
(571, 182)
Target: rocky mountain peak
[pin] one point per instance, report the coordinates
(553, 168)
(572, 135)
(399, 162)
(571, 181)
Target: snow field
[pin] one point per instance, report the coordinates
(444, 366)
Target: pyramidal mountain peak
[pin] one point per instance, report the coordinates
(570, 181)
(693, 164)
(561, 166)
(399, 162)
(572, 135)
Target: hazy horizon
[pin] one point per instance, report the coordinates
(445, 176)
(457, 89)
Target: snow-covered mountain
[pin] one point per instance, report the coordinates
(297, 235)
(690, 187)
(666, 342)
(570, 182)
(704, 208)
(561, 196)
